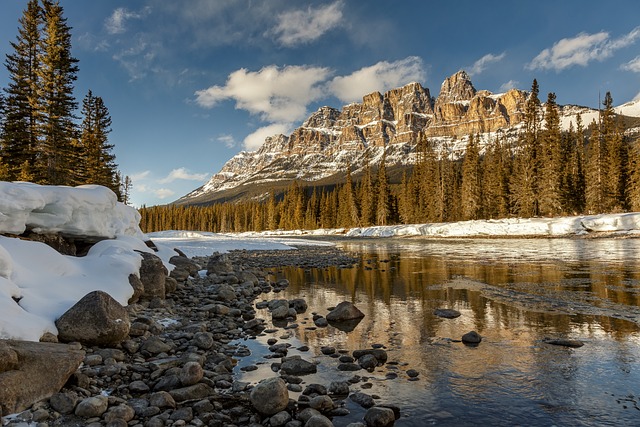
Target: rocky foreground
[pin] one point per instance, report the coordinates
(168, 359)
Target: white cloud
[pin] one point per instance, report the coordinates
(255, 140)
(183, 173)
(276, 94)
(304, 26)
(581, 49)
(228, 140)
(115, 24)
(163, 193)
(481, 64)
(511, 84)
(378, 77)
(138, 176)
(633, 65)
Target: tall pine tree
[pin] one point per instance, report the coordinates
(56, 75)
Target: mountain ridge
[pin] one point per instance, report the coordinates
(320, 149)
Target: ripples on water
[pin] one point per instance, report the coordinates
(515, 293)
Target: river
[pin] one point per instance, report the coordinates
(516, 293)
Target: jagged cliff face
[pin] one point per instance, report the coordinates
(330, 139)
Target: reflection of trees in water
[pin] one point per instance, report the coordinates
(405, 290)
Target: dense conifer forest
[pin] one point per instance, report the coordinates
(41, 138)
(547, 172)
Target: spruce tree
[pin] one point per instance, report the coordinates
(383, 203)
(96, 160)
(366, 197)
(551, 161)
(56, 75)
(524, 182)
(471, 192)
(20, 129)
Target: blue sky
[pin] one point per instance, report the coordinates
(191, 83)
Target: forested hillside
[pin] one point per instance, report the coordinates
(593, 168)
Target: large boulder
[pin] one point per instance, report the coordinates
(219, 264)
(41, 370)
(344, 311)
(270, 396)
(152, 275)
(97, 319)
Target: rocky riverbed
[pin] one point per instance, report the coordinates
(176, 367)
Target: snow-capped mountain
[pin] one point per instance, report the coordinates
(320, 150)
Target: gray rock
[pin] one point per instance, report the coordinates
(193, 392)
(64, 403)
(321, 322)
(227, 293)
(379, 417)
(162, 399)
(187, 264)
(280, 419)
(152, 276)
(446, 313)
(379, 354)
(471, 338)
(318, 421)
(297, 366)
(270, 396)
(191, 373)
(97, 319)
(280, 312)
(93, 406)
(340, 388)
(362, 399)
(299, 305)
(138, 387)
(8, 357)
(184, 414)
(121, 412)
(138, 288)
(42, 370)
(203, 340)
(321, 403)
(344, 311)
(368, 362)
(564, 342)
(155, 345)
(306, 414)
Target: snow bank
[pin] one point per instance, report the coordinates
(38, 284)
(628, 223)
(87, 210)
(198, 243)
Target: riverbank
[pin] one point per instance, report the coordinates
(179, 365)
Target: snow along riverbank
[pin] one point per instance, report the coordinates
(625, 224)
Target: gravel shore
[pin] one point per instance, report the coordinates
(177, 367)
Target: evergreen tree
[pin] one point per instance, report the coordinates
(551, 161)
(613, 140)
(524, 182)
(272, 218)
(574, 179)
(56, 75)
(20, 129)
(471, 192)
(383, 205)
(366, 197)
(347, 208)
(97, 162)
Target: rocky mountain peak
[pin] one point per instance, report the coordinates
(457, 88)
(325, 117)
(391, 122)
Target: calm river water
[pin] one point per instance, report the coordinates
(515, 293)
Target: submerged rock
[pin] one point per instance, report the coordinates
(447, 313)
(564, 342)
